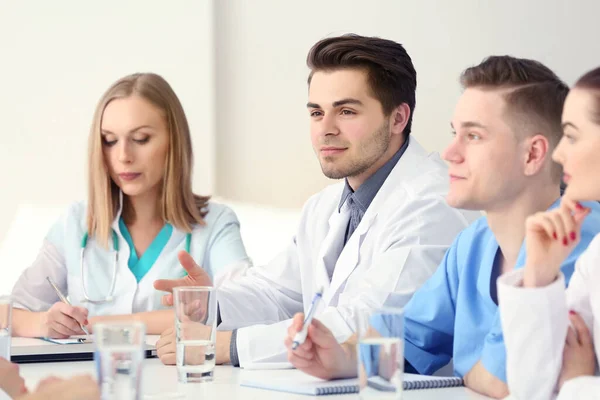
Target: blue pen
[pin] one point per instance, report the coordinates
(301, 336)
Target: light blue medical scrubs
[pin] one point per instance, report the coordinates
(215, 245)
(139, 266)
(453, 315)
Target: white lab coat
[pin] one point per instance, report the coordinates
(397, 246)
(535, 323)
(217, 246)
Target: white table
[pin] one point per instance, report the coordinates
(160, 382)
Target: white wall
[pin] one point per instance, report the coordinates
(57, 57)
(263, 146)
(56, 60)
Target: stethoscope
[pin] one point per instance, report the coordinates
(110, 297)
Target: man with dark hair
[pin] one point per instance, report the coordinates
(505, 126)
(369, 241)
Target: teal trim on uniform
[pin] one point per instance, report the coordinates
(114, 238)
(140, 266)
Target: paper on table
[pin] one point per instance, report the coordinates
(275, 365)
(26, 342)
(71, 340)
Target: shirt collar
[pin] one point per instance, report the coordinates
(366, 192)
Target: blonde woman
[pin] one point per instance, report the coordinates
(140, 217)
(551, 334)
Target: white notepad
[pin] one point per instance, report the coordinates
(294, 381)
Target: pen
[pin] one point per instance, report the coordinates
(301, 335)
(64, 300)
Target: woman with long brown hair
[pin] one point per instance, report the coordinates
(140, 216)
(551, 334)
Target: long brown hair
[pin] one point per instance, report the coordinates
(179, 205)
(591, 81)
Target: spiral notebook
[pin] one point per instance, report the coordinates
(294, 381)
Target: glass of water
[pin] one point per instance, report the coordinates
(196, 330)
(5, 326)
(381, 353)
(119, 359)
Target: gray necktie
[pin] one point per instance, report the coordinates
(356, 215)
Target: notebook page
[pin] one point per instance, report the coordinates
(291, 381)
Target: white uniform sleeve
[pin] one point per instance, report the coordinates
(535, 323)
(225, 251)
(582, 388)
(256, 301)
(32, 291)
(262, 294)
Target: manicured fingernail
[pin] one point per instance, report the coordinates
(573, 235)
(571, 312)
(579, 206)
(555, 236)
(565, 242)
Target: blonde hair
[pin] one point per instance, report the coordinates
(179, 205)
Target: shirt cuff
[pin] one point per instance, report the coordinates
(233, 353)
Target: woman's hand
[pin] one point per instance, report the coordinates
(63, 320)
(10, 380)
(550, 237)
(579, 358)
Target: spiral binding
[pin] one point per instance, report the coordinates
(337, 390)
(434, 383)
(414, 385)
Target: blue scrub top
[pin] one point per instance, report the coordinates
(454, 316)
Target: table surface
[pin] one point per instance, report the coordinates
(160, 382)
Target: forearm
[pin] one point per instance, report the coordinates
(30, 396)
(27, 323)
(482, 381)
(156, 321)
(223, 347)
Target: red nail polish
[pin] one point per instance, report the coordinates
(573, 235)
(571, 312)
(565, 242)
(554, 236)
(579, 206)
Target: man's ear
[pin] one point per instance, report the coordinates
(399, 119)
(537, 152)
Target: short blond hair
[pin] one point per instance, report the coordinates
(179, 205)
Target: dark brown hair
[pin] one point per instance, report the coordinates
(534, 95)
(391, 75)
(591, 81)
